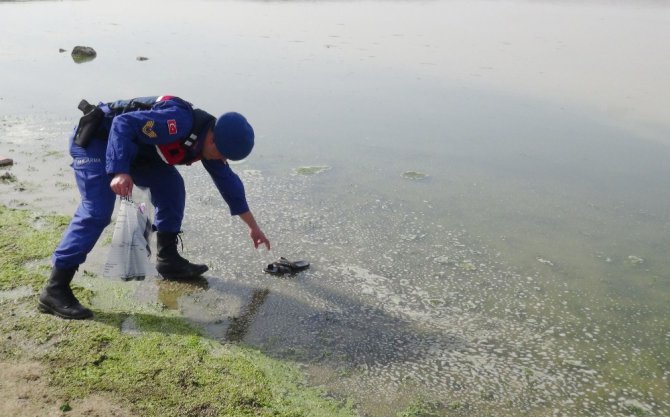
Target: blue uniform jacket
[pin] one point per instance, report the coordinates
(133, 138)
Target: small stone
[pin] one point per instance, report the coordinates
(81, 54)
(4, 161)
(61, 50)
(84, 50)
(142, 58)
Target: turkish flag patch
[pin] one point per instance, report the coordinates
(172, 126)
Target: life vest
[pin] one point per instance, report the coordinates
(181, 152)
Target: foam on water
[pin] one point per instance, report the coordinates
(399, 307)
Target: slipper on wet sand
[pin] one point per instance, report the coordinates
(277, 269)
(295, 266)
(284, 266)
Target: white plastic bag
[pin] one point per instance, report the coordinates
(129, 252)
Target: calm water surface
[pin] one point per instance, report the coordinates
(481, 187)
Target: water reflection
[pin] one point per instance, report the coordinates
(82, 59)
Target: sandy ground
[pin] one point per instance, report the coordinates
(25, 392)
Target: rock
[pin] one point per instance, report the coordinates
(142, 58)
(4, 161)
(81, 54)
(84, 50)
(61, 50)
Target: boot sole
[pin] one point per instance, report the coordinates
(185, 277)
(189, 277)
(43, 308)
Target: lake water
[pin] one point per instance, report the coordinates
(481, 187)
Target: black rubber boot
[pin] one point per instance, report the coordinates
(170, 264)
(57, 297)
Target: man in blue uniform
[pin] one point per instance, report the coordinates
(137, 142)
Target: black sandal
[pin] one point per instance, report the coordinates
(284, 266)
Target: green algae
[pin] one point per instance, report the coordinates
(7, 178)
(422, 408)
(166, 368)
(311, 170)
(52, 153)
(414, 175)
(26, 237)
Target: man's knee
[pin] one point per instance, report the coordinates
(100, 222)
(95, 214)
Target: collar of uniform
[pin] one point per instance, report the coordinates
(202, 135)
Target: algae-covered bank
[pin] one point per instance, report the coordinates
(165, 367)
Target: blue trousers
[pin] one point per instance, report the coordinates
(97, 201)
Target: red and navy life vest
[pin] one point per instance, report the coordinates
(181, 152)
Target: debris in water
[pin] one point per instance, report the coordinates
(444, 260)
(545, 261)
(414, 175)
(468, 265)
(635, 260)
(7, 177)
(311, 170)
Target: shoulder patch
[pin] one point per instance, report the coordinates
(147, 129)
(172, 126)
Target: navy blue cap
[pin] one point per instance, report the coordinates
(233, 136)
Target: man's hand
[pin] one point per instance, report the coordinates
(122, 184)
(254, 231)
(259, 238)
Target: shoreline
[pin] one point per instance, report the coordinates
(159, 364)
(48, 361)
